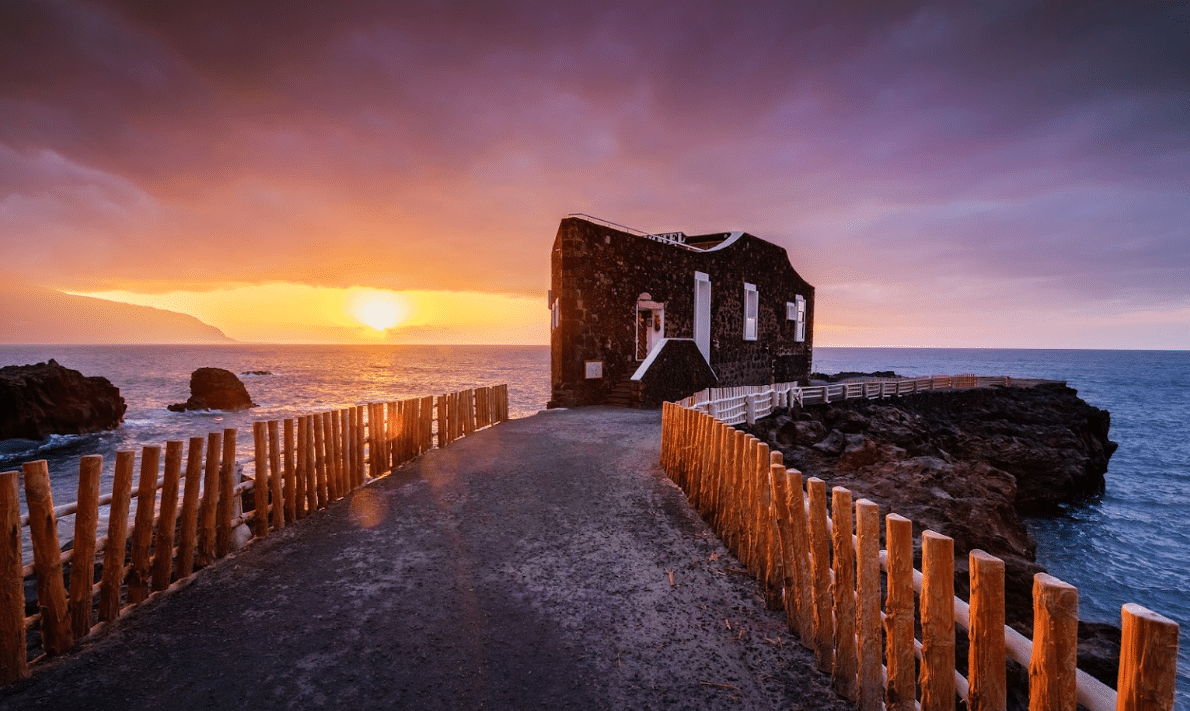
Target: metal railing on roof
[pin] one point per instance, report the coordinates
(664, 239)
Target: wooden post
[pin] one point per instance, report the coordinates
(1148, 661)
(714, 505)
(442, 435)
(326, 458)
(785, 537)
(314, 443)
(747, 460)
(334, 446)
(772, 575)
(867, 586)
(338, 458)
(315, 484)
(328, 455)
(900, 692)
(260, 485)
(803, 589)
(47, 559)
(1052, 677)
(455, 416)
(407, 433)
(346, 421)
(986, 675)
(163, 542)
(82, 561)
(360, 474)
(187, 533)
(291, 498)
(320, 458)
(666, 410)
(470, 420)
(937, 622)
(755, 530)
(824, 624)
(427, 408)
(210, 501)
(733, 457)
(844, 675)
(227, 495)
(117, 536)
(360, 458)
(14, 664)
(277, 499)
(303, 465)
(142, 529)
(373, 439)
(392, 436)
(347, 457)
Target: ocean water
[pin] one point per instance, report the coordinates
(1133, 543)
(1130, 545)
(301, 380)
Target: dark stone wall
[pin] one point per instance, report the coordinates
(598, 273)
(678, 370)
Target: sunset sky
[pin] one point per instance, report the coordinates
(999, 174)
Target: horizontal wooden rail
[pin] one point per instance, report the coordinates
(731, 479)
(300, 464)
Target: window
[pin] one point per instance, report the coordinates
(799, 333)
(751, 311)
(702, 314)
(796, 311)
(554, 316)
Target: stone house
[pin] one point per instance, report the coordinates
(638, 318)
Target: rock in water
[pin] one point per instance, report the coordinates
(215, 389)
(44, 399)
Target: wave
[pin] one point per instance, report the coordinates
(24, 450)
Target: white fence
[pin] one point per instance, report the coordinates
(746, 403)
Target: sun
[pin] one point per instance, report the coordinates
(377, 309)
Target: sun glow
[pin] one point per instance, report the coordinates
(298, 313)
(377, 309)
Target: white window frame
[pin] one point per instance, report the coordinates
(751, 312)
(702, 314)
(796, 311)
(800, 333)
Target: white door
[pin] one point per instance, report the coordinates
(650, 327)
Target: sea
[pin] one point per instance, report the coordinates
(1132, 544)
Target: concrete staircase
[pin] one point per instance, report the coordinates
(627, 393)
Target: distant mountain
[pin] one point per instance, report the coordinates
(33, 314)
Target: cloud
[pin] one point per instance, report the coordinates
(435, 146)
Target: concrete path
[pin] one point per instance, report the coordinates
(526, 567)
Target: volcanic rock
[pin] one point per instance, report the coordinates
(39, 400)
(215, 389)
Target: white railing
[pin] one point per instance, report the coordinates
(747, 403)
(663, 238)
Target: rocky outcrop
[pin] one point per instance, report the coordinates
(215, 389)
(37, 401)
(967, 464)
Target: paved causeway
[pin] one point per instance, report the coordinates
(546, 563)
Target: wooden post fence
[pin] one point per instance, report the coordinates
(782, 533)
(298, 465)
